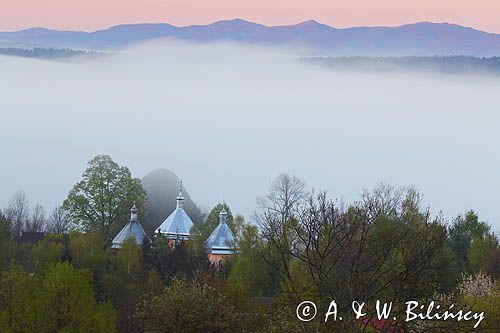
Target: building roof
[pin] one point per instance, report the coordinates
(177, 224)
(32, 236)
(132, 229)
(221, 241)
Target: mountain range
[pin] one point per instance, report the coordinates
(307, 38)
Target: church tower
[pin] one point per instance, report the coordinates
(220, 244)
(132, 229)
(177, 226)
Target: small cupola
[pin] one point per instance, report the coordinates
(132, 229)
(177, 226)
(220, 244)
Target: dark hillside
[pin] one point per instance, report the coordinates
(162, 187)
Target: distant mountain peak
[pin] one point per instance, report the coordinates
(233, 22)
(440, 25)
(309, 23)
(312, 25)
(308, 38)
(37, 29)
(238, 20)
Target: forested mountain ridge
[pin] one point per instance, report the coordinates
(44, 53)
(309, 38)
(436, 64)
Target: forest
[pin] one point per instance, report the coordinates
(45, 53)
(422, 64)
(58, 273)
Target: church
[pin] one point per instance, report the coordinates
(132, 229)
(220, 244)
(176, 228)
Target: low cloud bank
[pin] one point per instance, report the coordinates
(228, 118)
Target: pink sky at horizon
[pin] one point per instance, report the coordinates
(90, 15)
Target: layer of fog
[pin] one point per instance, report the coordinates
(229, 118)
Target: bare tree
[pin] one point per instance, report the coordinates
(283, 196)
(277, 210)
(18, 211)
(38, 221)
(384, 199)
(380, 246)
(57, 221)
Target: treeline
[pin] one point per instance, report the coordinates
(443, 64)
(300, 245)
(45, 53)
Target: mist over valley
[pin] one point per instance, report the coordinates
(227, 118)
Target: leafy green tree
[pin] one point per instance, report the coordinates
(463, 231)
(60, 300)
(153, 283)
(5, 240)
(88, 251)
(100, 202)
(479, 251)
(249, 269)
(183, 261)
(17, 312)
(128, 258)
(48, 251)
(187, 307)
(492, 263)
(123, 283)
(67, 298)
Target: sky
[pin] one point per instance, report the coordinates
(90, 15)
(227, 119)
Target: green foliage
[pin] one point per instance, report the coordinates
(183, 261)
(60, 300)
(100, 202)
(281, 318)
(153, 283)
(68, 298)
(492, 263)
(88, 251)
(489, 304)
(386, 246)
(250, 270)
(5, 234)
(124, 292)
(463, 231)
(128, 259)
(5, 241)
(17, 309)
(187, 307)
(48, 251)
(479, 251)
